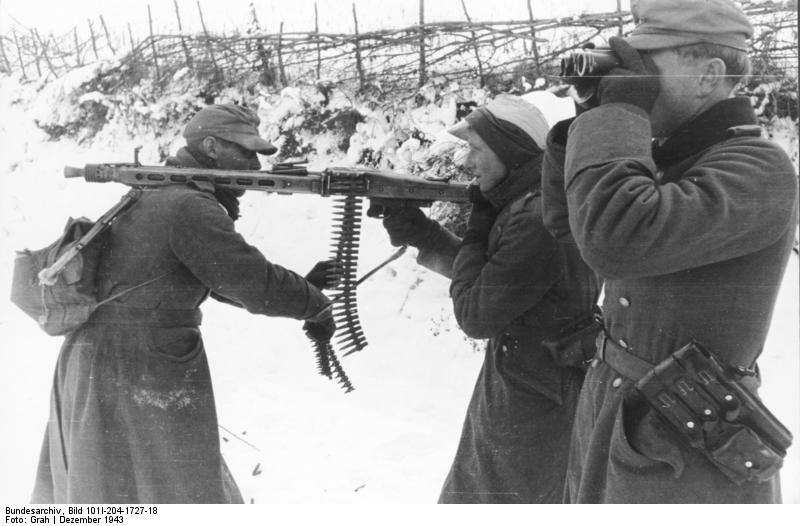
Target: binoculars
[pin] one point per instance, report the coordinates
(583, 69)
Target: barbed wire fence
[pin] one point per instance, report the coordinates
(486, 53)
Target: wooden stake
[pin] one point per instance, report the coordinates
(6, 63)
(77, 46)
(36, 55)
(619, 10)
(94, 40)
(359, 68)
(60, 53)
(183, 40)
(422, 73)
(534, 44)
(108, 36)
(44, 52)
(153, 41)
(130, 36)
(19, 55)
(281, 71)
(217, 72)
(316, 34)
(474, 46)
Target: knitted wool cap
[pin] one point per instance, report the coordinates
(513, 128)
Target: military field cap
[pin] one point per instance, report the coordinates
(513, 128)
(230, 122)
(671, 23)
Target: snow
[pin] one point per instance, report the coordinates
(289, 435)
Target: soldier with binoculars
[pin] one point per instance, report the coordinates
(688, 214)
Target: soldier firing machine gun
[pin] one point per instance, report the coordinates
(349, 186)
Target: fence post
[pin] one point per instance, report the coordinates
(316, 34)
(60, 53)
(422, 72)
(108, 36)
(183, 40)
(359, 67)
(281, 71)
(6, 63)
(209, 47)
(44, 52)
(36, 55)
(619, 10)
(153, 41)
(94, 41)
(130, 37)
(19, 55)
(77, 46)
(534, 44)
(474, 45)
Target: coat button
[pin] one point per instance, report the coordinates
(617, 382)
(623, 343)
(504, 348)
(625, 302)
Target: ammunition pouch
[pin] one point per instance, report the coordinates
(574, 345)
(706, 405)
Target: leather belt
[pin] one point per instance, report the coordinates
(620, 359)
(111, 314)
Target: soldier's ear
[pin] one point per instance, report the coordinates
(210, 147)
(711, 75)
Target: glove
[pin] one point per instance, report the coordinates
(326, 274)
(479, 223)
(636, 82)
(558, 133)
(408, 226)
(321, 326)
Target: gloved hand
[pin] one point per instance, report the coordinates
(408, 226)
(321, 326)
(558, 133)
(480, 222)
(326, 274)
(635, 82)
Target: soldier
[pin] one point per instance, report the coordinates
(132, 414)
(514, 284)
(691, 233)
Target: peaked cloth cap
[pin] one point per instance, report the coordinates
(514, 129)
(672, 23)
(230, 122)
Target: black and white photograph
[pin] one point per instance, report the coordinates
(397, 254)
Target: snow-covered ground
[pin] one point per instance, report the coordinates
(289, 435)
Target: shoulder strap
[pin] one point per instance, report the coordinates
(123, 292)
(744, 130)
(48, 275)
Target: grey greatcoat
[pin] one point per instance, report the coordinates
(692, 238)
(515, 288)
(132, 408)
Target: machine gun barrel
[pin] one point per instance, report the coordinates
(153, 176)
